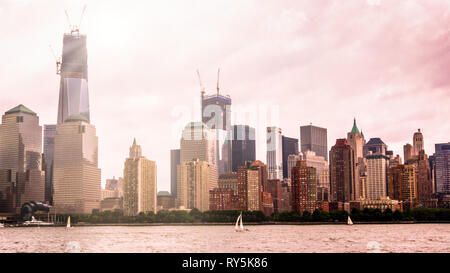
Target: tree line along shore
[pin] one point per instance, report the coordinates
(229, 216)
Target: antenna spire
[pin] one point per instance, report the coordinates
(218, 81)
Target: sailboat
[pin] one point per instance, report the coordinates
(349, 221)
(239, 224)
(68, 223)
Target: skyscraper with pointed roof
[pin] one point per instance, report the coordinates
(356, 140)
(140, 183)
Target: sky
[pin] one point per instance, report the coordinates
(382, 62)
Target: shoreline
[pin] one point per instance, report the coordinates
(232, 224)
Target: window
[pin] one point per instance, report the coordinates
(19, 119)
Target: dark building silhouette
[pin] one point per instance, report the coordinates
(314, 139)
(290, 147)
(174, 162)
(342, 171)
(243, 145)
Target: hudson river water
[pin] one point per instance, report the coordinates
(270, 238)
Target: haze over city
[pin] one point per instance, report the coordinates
(324, 62)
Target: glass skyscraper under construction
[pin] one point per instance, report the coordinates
(73, 92)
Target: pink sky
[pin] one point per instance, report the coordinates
(384, 62)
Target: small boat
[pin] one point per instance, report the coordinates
(68, 223)
(36, 223)
(239, 224)
(349, 221)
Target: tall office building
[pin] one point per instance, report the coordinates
(198, 142)
(304, 188)
(376, 184)
(250, 186)
(442, 168)
(73, 91)
(243, 145)
(289, 147)
(216, 114)
(418, 143)
(313, 138)
(292, 162)
(403, 183)
(21, 175)
(49, 150)
(342, 172)
(356, 140)
(424, 178)
(321, 166)
(228, 181)
(195, 180)
(174, 162)
(408, 152)
(375, 146)
(274, 153)
(76, 176)
(140, 183)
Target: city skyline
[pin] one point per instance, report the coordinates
(150, 103)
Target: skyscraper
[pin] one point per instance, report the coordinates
(321, 166)
(250, 186)
(424, 178)
(418, 143)
(216, 114)
(403, 183)
(49, 150)
(377, 165)
(356, 140)
(174, 162)
(289, 147)
(314, 139)
(442, 168)
(304, 188)
(198, 141)
(21, 175)
(77, 178)
(140, 183)
(408, 152)
(73, 91)
(274, 153)
(243, 145)
(195, 180)
(342, 172)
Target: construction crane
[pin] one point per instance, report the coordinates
(200, 81)
(75, 28)
(57, 59)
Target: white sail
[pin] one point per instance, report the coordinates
(349, 221)
(241, 226)
(236, 227)
(68, 222)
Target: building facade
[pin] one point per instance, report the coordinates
(289, 147)
(304, 188)
(174, 162)
(140, 183)
(442, 168)
(243, 145)
(49, 150)
(376, 184)
(313, 138)
(77, 178)
(274, 153)
(22, 178)
(198, 142)
(195, 179)
(342, 172)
